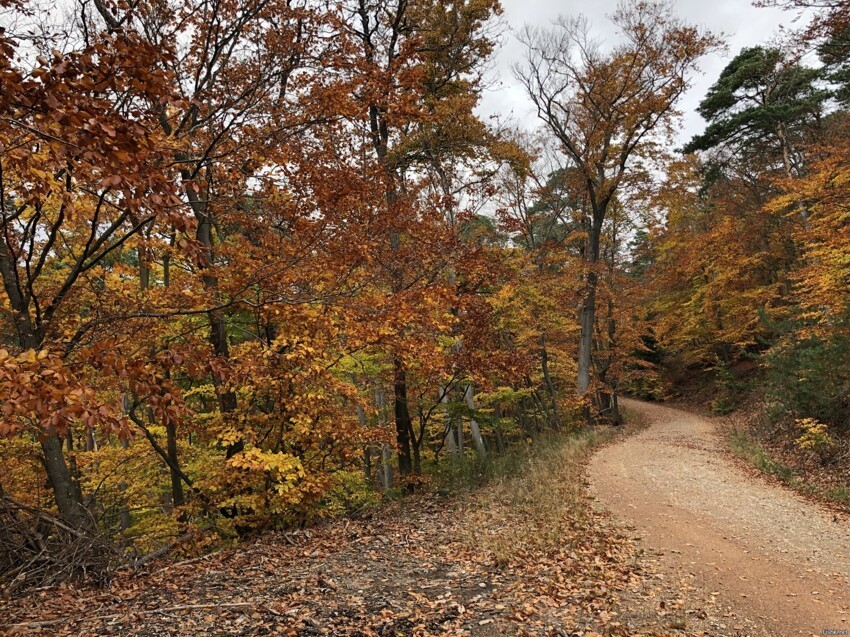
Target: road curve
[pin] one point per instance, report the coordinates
(776, 559)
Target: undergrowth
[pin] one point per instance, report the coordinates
(749, 448)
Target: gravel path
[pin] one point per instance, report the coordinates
(779, 564)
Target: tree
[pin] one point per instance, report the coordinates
(834, 52)
(822, 275)
(827, 18)
(83, 173)
(607, 109)
(407, 59)
(540, 210)
(761, 99)
(720, 264)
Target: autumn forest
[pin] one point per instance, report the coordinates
(265, 265)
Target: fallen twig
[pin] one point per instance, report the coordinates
(41, 514)
(73, 620)
(160, 552)
(186, 562)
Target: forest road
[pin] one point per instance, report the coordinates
(779, 564)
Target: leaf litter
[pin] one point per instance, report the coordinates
(497, 561)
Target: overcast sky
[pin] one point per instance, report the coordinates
(741, 23)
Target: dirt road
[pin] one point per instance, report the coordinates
(779, 564)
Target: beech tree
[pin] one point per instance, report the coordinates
(83, 173)
(607, 108)
(412, 53)
(538, 208)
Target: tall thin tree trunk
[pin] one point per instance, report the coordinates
(177, 495)
(386, 471)
(523, 416)
(608, 394)
(587, 318)
(386, 466)
(218, 330)
(403, 423)
(367, 450)
(451, 441)
(124, 513)
(787, 151)
(550, 386)
(91, 441)
(477, 440)
(616, 416)
(417, 455)
(587, 314)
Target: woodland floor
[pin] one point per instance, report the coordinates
(721, 554)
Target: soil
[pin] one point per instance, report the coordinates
(752, 557)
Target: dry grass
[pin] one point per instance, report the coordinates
(540, 501)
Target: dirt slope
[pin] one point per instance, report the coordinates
(777, 563)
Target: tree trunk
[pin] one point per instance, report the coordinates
(609, 406)
(417, 456)
(177, 496)
(91, 442)
(403, 424)
(367, 464)
(218, 332)
(587, 318)
(787, 151)
(386, 467)
(66, 490)
(550, 386)
(386, 470)
(451, 441)
(477, 440)
(124, 512)
(367, 450)
(587, 314)
(615, 409)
